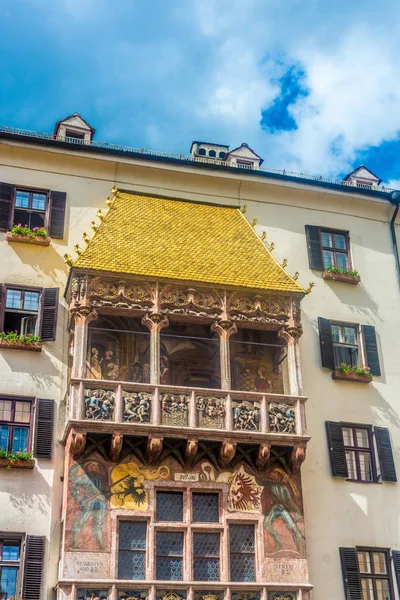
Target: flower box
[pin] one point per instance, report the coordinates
(351, 377)
(342, 277)
(17, 464)
(27, 239)
(32, 346)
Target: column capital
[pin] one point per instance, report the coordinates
(155, 321)
(84, 315)
(290, 334)
(224, 328)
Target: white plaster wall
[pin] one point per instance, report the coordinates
(338, 513)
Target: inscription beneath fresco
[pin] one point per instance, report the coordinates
(186, 476)
(86, 565)
(287, 570)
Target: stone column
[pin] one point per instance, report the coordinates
(82, 316)
(155, 322)
(224, 329)
(291, 336)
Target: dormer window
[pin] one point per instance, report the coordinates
(212, 154)
(75, 136)
(202, 152)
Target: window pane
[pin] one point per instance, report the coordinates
(351, 464)
(36, 220)
(206, 548)
(365, 466)
(5, 410)
(22, 199)
(170, 506)
(205, 508)
(241, 543)
(326, 239)
(132, 535)
(379, 559)
(39, 201)
(346, 355)
(367, 589)
(4, 433)
(340, 241)
(10, 551)
(13, 299)
(350, 335)
(341, 260)
(348, 436)
(169, 548)
(382, 588)
(328, 257)
(31, 301)
(22, 412)
(20, 439)
(336, 333)
(364, 562)
(8, 581)
(362, 438)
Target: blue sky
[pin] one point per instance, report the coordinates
(312, 86)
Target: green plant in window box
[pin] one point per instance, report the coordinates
(15, 458)
(361, 370)
(26, 231)
(13, 338)
(342, 271)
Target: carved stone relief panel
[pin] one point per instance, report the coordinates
(137, 407)
(121, 294)
(190, 301)
(211, 411)
(258, 309)
(246, 415)
(281, 596)
(174, 409)
(281, 418)
(99, 404)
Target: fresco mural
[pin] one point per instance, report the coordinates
(255, 365)
(96, 487)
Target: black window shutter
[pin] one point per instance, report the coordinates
(351, 573)
(44, 428)
(396, 564)
(326, 343)
(57, 214)
(314, 247)
(385, 453)
(48, 322)
(336, 449)
(6, 197)
(2, 304)
(33, 568)
(371, 349)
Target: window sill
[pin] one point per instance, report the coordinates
(33, 347)
(24, 239)
(342, 277)
(350, 377)
(18, 464)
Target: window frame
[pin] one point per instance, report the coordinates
(19, 564)
(357, 449)
(9, 286)
(12, 424)
(333, 248)
(31, 191)
(122, 519)
(375, 576)
(229, 524)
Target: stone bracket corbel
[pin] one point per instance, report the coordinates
(264, 452)
(78, 444)
(154, 449)
(297, 457)
(227, 453)
(116, 446)
(191, 451)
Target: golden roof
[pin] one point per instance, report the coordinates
(172, 239)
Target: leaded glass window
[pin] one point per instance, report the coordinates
(242, 552)
(169, 506)
(132, 549)
(169, 560)
(206, 550)
(205, 508)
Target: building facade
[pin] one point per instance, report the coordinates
(160, 371)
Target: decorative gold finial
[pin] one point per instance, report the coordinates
(243, 208)
(296, 276)
(99, 214)
(310, 287)
(263, 236)
(284, 264)
(271, 246)
(114, 190)
(254, 222)
(94, 226)
(68, 259)
(108, 201)
(86, 238)
(77, 249)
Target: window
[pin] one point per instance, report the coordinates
(345, 344)
(328, 247)
(374, 573)
(15, 422)
(352, 452)
(132, 549)
(30, 208)
(359, 452)
(202, 151)
(169, 506)
(21, 311)
(169, 555)
(221, 155)
(74, 136)
(206, 552)
(212, 153)
(242, 552)
(10, 551)
(205, 508)
(245, 163)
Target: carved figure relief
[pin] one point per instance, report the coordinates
(174, 409)
(281, 418)
(127, 488)
(281, 596)
(90, 594)
(246, 415)
(132, 595)
(99, 404)
(211, 411)
(137, 406)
